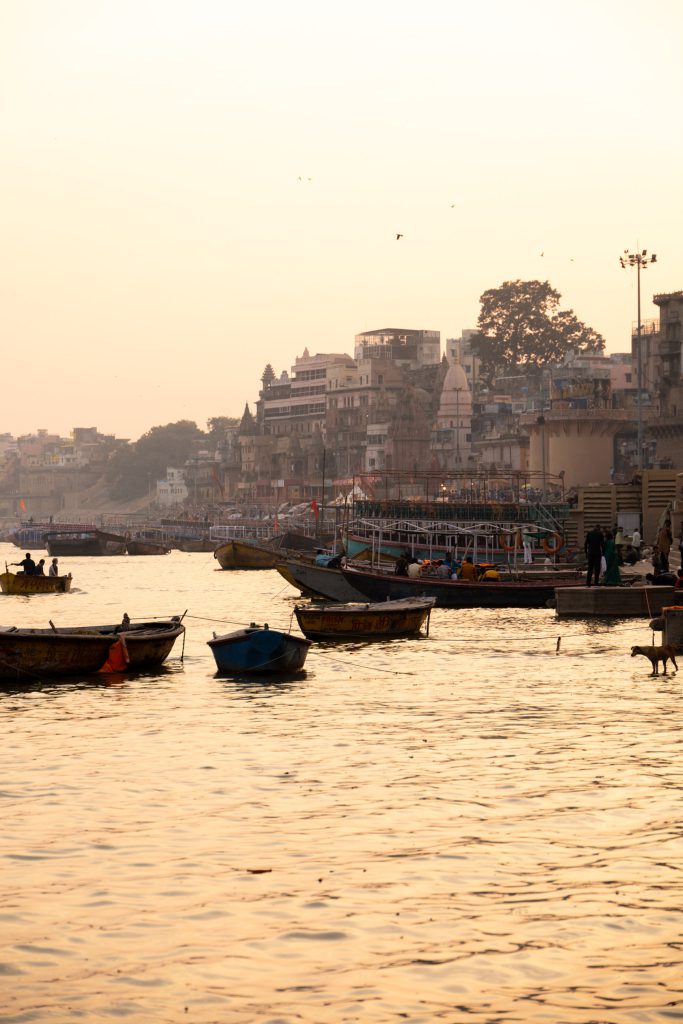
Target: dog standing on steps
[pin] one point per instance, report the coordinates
(657, 654)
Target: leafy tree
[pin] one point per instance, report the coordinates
(521, 325)
(131, 470)
(217, 427)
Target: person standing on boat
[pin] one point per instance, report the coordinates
(40, 568)
(28, 566)
(528, 544)
(594, 546)
(54, 568)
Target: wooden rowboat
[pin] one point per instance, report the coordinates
(141, 546)
(193, 543)
(380, 621)
(258, 649)
(82, 650)
(19, 583)
(237, 554)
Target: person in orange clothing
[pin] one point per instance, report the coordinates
(468, 571)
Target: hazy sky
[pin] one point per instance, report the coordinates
(158, 247)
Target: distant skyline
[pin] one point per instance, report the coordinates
(192, 191)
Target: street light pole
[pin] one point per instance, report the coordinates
(638, 260)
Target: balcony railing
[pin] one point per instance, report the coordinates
(646, 327)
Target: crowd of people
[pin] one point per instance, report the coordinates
(448, 568)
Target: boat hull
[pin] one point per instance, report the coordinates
(38, 656)
(147, 648)
(93, 543)
(259, 650)
(82, 650)
(17, 583)
(146, 547)
(194, 544)
(314, 580)
(457, 593)
(380, 621)
(236, 554)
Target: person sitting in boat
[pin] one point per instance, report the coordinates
(401, 567)
(490, 573)
(40, 568)
(337, 560)
(414, 570)
(54, 568)
(468, 570)
(322, 559)
(443, 569)
(28, 566)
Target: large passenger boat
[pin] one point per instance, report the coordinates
(87, 542)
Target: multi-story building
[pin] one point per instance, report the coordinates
(172, 490)
(296, 404)
(358, 396)
(409, 349)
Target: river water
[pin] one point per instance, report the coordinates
(470, 827)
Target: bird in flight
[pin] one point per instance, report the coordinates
(398, 236)
(304, 179)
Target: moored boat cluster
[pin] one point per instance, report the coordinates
(386, 592)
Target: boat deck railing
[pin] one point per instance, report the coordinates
(551, 515)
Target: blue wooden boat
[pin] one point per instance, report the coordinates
(259, 649)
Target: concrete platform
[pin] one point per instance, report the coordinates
(613, 602)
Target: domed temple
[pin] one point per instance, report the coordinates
(452, 434)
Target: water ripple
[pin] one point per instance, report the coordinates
(471, 827)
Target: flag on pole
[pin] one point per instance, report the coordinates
(316, 510)
(218, 481)
(22, 505)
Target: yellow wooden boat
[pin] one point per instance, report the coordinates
(18, 583)
(237, 554)
(380, 621)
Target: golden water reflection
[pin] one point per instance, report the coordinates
(471, 827)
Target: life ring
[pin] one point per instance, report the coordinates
(552, 549)
(515, 546)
